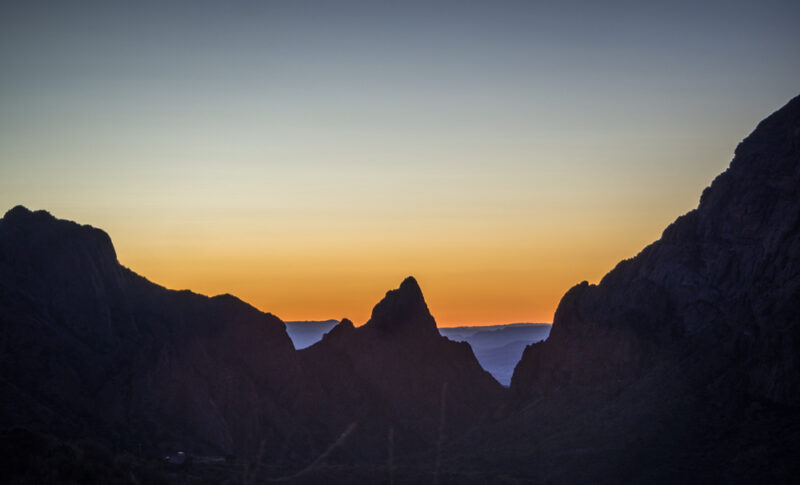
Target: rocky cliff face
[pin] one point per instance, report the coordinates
(92, 350)
(705, 320)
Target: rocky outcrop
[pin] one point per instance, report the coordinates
(93, 351)
(701, 330)
(403, 311)
(396, 372)
(723, 277)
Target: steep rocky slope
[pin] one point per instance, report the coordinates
(685, 358)
(396, 372)
(90, 350)
(93, 351)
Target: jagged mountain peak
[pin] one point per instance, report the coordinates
(410, 284)
(403, 309)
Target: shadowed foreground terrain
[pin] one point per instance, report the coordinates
(93, 352)
(681, 365)
(498, 348)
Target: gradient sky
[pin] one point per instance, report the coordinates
(306, 157)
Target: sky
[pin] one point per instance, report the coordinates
(307, 156)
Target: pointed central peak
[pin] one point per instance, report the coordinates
(410, 285)
(403, 309)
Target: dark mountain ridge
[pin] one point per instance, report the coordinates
(498, 348)
(405, 374)
(681, 365)
(728, 270)
(92, 350)
(685, 358)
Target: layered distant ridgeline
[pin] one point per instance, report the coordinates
(499, 347)
(307, 333)
(681, 365)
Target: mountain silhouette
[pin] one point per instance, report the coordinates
(681, 364)
(397, 372)
(403, 311)
(95, 351)
(498, 348)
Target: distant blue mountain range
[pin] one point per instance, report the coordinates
(497, 347)
(307, 333)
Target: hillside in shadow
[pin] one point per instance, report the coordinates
(681, 365)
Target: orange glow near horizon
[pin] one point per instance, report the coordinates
(471, 278)
(487, 247)
(307, 158)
